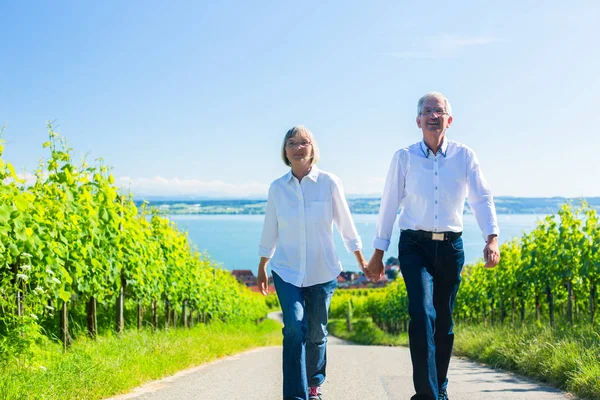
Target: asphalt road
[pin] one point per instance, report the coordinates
(354, 373)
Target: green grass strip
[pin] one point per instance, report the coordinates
(364, 331)
(112, 365)
(566, 357)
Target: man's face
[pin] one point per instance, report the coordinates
(433, 118)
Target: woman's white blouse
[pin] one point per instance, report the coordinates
(298, 229)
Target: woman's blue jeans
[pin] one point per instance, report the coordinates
(431, 270)
(305, 319)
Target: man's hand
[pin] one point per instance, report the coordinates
(375, 268)
(491, 252)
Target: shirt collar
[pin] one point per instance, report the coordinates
(443, 149)
(312, 175)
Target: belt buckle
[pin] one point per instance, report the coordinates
(437, 236)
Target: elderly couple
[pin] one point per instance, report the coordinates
(428, 182)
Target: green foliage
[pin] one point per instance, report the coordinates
(357, 297)
(388, 307)
(272, 301)
(532, 281)
(71, 236)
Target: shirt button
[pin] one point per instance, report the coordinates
(436, 160)
(436, 202)
(436, 188)
(436, 217)
(436, 173)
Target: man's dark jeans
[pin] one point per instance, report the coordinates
(431, 271)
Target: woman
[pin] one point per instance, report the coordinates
(297, 238)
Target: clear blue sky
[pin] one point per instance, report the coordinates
(195, 97)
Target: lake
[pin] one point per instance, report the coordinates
(232, 240)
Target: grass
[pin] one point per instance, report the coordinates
(364, 331)
(565, 357)
(95, 369)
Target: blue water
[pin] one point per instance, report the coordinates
(232, 240)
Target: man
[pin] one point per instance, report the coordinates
(429, 182)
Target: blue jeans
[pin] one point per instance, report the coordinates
(305, 319)
(431, 270)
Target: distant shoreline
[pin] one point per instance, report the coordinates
(504, 205)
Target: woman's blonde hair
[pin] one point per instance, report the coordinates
(301, 130)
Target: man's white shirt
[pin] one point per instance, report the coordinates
(298, 229)
(430, 191)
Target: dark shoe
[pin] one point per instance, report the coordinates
(443, 395)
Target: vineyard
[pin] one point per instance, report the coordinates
(78, 257)
(549, 275)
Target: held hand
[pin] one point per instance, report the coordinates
(375, 268)
(491, 253)
(360, 259)
(362, 263)
(363, 267)
(263, 281)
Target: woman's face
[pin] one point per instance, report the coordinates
(298, 149)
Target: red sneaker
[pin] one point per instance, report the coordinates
(314, 393)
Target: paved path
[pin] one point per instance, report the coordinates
(354, 373)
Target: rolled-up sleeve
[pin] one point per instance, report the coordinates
(270, 233)
(393, 192)
(480, 198)
(342, 218)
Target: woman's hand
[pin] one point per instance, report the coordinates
(362, 263)
(262, 281)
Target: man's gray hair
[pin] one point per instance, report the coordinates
(436, 95)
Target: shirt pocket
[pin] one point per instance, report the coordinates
(319, 211)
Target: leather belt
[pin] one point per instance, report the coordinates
(437, 236)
